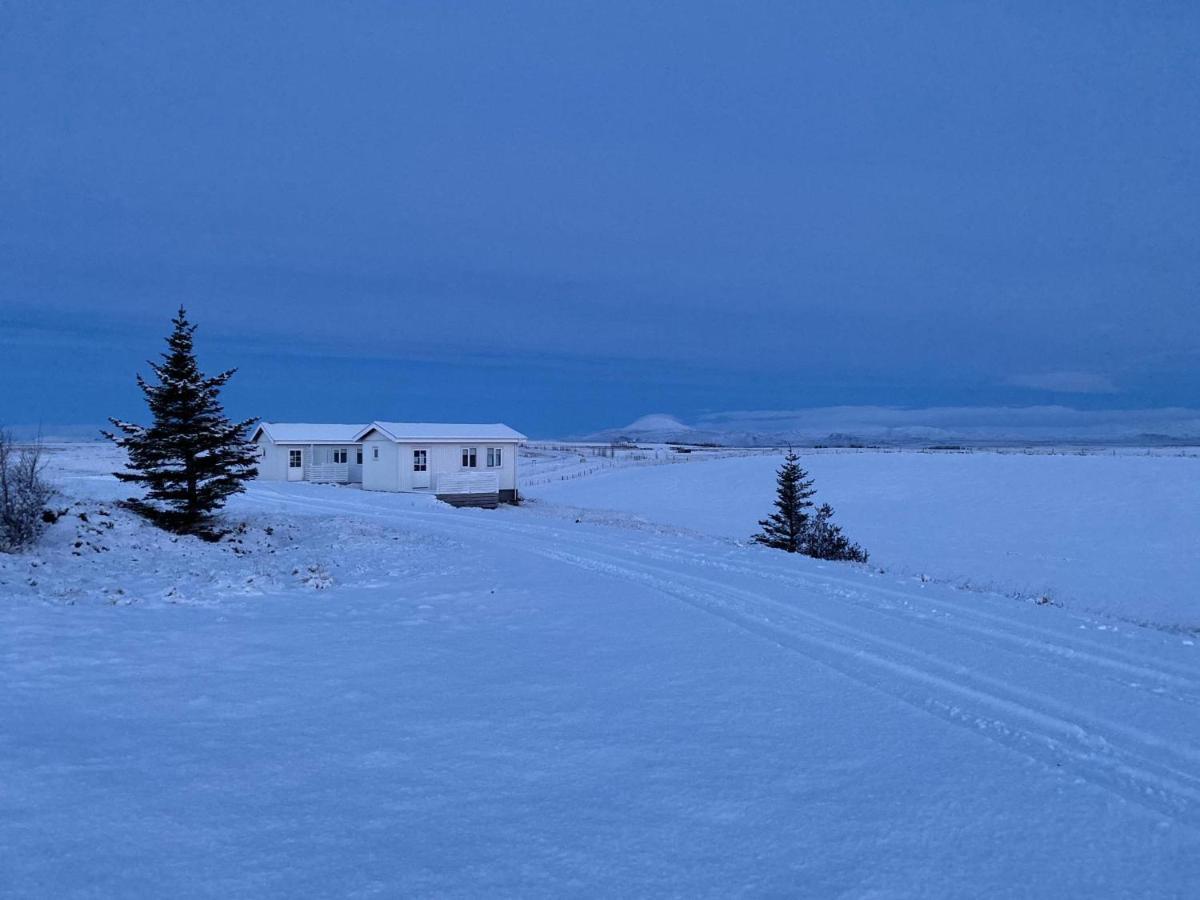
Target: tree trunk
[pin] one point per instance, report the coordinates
(192, 501)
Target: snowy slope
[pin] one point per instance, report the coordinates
(512, 703)
(1115, 533)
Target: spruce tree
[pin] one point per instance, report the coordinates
(826, 541)
(192, 458)
(787, 528)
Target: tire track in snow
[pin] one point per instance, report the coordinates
(1136, 765)
(991, 629)
(1106, 754)
(1004, 627)
(1056, 647)
(1069, 647)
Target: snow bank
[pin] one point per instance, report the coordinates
(1116, 533)
(366, 694)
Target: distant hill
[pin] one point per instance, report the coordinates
(851, 426)
(656, 428)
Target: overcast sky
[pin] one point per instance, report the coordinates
(565, 215)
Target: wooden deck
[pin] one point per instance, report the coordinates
(482, 500)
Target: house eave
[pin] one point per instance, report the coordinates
(316, 443)
(387, 434)
(408, 439)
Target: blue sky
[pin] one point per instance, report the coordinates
(565, 215)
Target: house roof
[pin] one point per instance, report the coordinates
(307, 433)
(441, 431)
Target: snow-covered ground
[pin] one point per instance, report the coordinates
(550, 463)
(362, 694)
(1103, 531)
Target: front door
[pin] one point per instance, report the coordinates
(295, 465)
(420, 468)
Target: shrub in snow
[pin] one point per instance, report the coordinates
(315, 577)
(792, 528)
(826, 541)
(787, 527)
(24, 494)
(192, 458)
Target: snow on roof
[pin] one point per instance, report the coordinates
(442, 431)
(308, 433)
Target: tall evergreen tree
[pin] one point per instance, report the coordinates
(787, 528)
(192, 458)
(826, 541)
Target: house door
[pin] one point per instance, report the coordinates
(420, 464)
(295, 465)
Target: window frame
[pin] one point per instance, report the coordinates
(420, 459)
(470, 458)
(495, 457)
(295, 459)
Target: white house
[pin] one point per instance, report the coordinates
(293, 451)
(467, 465)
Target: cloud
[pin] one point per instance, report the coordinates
(1065, 382)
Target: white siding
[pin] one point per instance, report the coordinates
(382, 473)
(273, 465)
(323, 455)
(446, 459)
(392, 470)
(404, 454)
(449, 461)
(507, 471)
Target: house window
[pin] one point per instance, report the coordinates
(420, 460)
(375, 453)
(295, 459)
(341, 455)
(468, 457)
(494, 458)
(358, 456)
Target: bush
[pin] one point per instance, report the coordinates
(24, 494)
(826, 541)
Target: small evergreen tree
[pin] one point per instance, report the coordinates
(826, 541)
(192, 458)
(787, 528)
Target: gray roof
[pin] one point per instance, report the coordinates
(408, 432)
(308, 433)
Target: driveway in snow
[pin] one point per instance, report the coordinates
(508, 703)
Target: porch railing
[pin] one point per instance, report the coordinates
(468, 483)
(336, 473)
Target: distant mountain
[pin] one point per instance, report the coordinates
(849, 426)
(656, 428)
(657, 422)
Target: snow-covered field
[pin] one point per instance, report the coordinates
(365, 694)
(1110, 532)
